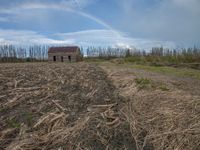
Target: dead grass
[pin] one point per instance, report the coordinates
(160, 116)
(59, 106)
(76, 106)
(164, 123)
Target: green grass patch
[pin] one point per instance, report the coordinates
(3, 110)
(13, 123)
(126, 125)
(28, 117)
(95, 59)
(144, 83)
(180, 72)
(163, 87)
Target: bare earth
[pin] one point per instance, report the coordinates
(87, 106)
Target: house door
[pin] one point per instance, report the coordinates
(62, 60)
(69, 58)
(54, 58)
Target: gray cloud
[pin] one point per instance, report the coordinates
(172, 20)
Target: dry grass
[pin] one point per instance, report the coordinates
(76, 106)
(159, 119)
(59, 106)
(164, 123)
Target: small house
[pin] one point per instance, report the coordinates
(64, 54)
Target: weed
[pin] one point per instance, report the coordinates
(143, 83)
(13, 123)
(28, 116)
(3, 110)
(126, 125)
(163, 87)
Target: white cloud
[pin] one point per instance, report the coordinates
(82, 38)
(73, 6)
(173, 20)
(110, 38)
(24, 37)
(168, 20)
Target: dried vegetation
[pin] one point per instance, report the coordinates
(60, 106)
(162, 111)
(79, 106)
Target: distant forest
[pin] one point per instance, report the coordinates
(11, 53)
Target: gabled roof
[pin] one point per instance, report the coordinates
(70, 49)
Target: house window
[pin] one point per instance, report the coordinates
(62, 60)
(69, 58)
(54, 58)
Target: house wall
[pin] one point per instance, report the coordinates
(74, 57)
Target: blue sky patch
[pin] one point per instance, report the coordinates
(126, 23)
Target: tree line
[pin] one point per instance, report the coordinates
(11, 53)
(127, 52)
(182, 55)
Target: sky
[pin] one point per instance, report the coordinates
(140, 24)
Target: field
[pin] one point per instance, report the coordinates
(102, 105)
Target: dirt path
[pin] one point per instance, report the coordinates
(60, 106)
(163, 110)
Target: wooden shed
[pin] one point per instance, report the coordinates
(64, 54)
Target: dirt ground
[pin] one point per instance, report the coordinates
(60, 106)
(83, 106)
(163, 110)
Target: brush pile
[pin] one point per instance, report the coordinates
(60, 106)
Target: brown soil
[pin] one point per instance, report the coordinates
(60, 106)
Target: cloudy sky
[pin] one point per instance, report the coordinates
(124, 23)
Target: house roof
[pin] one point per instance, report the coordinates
(63, 49)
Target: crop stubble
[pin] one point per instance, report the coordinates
(60, 106)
